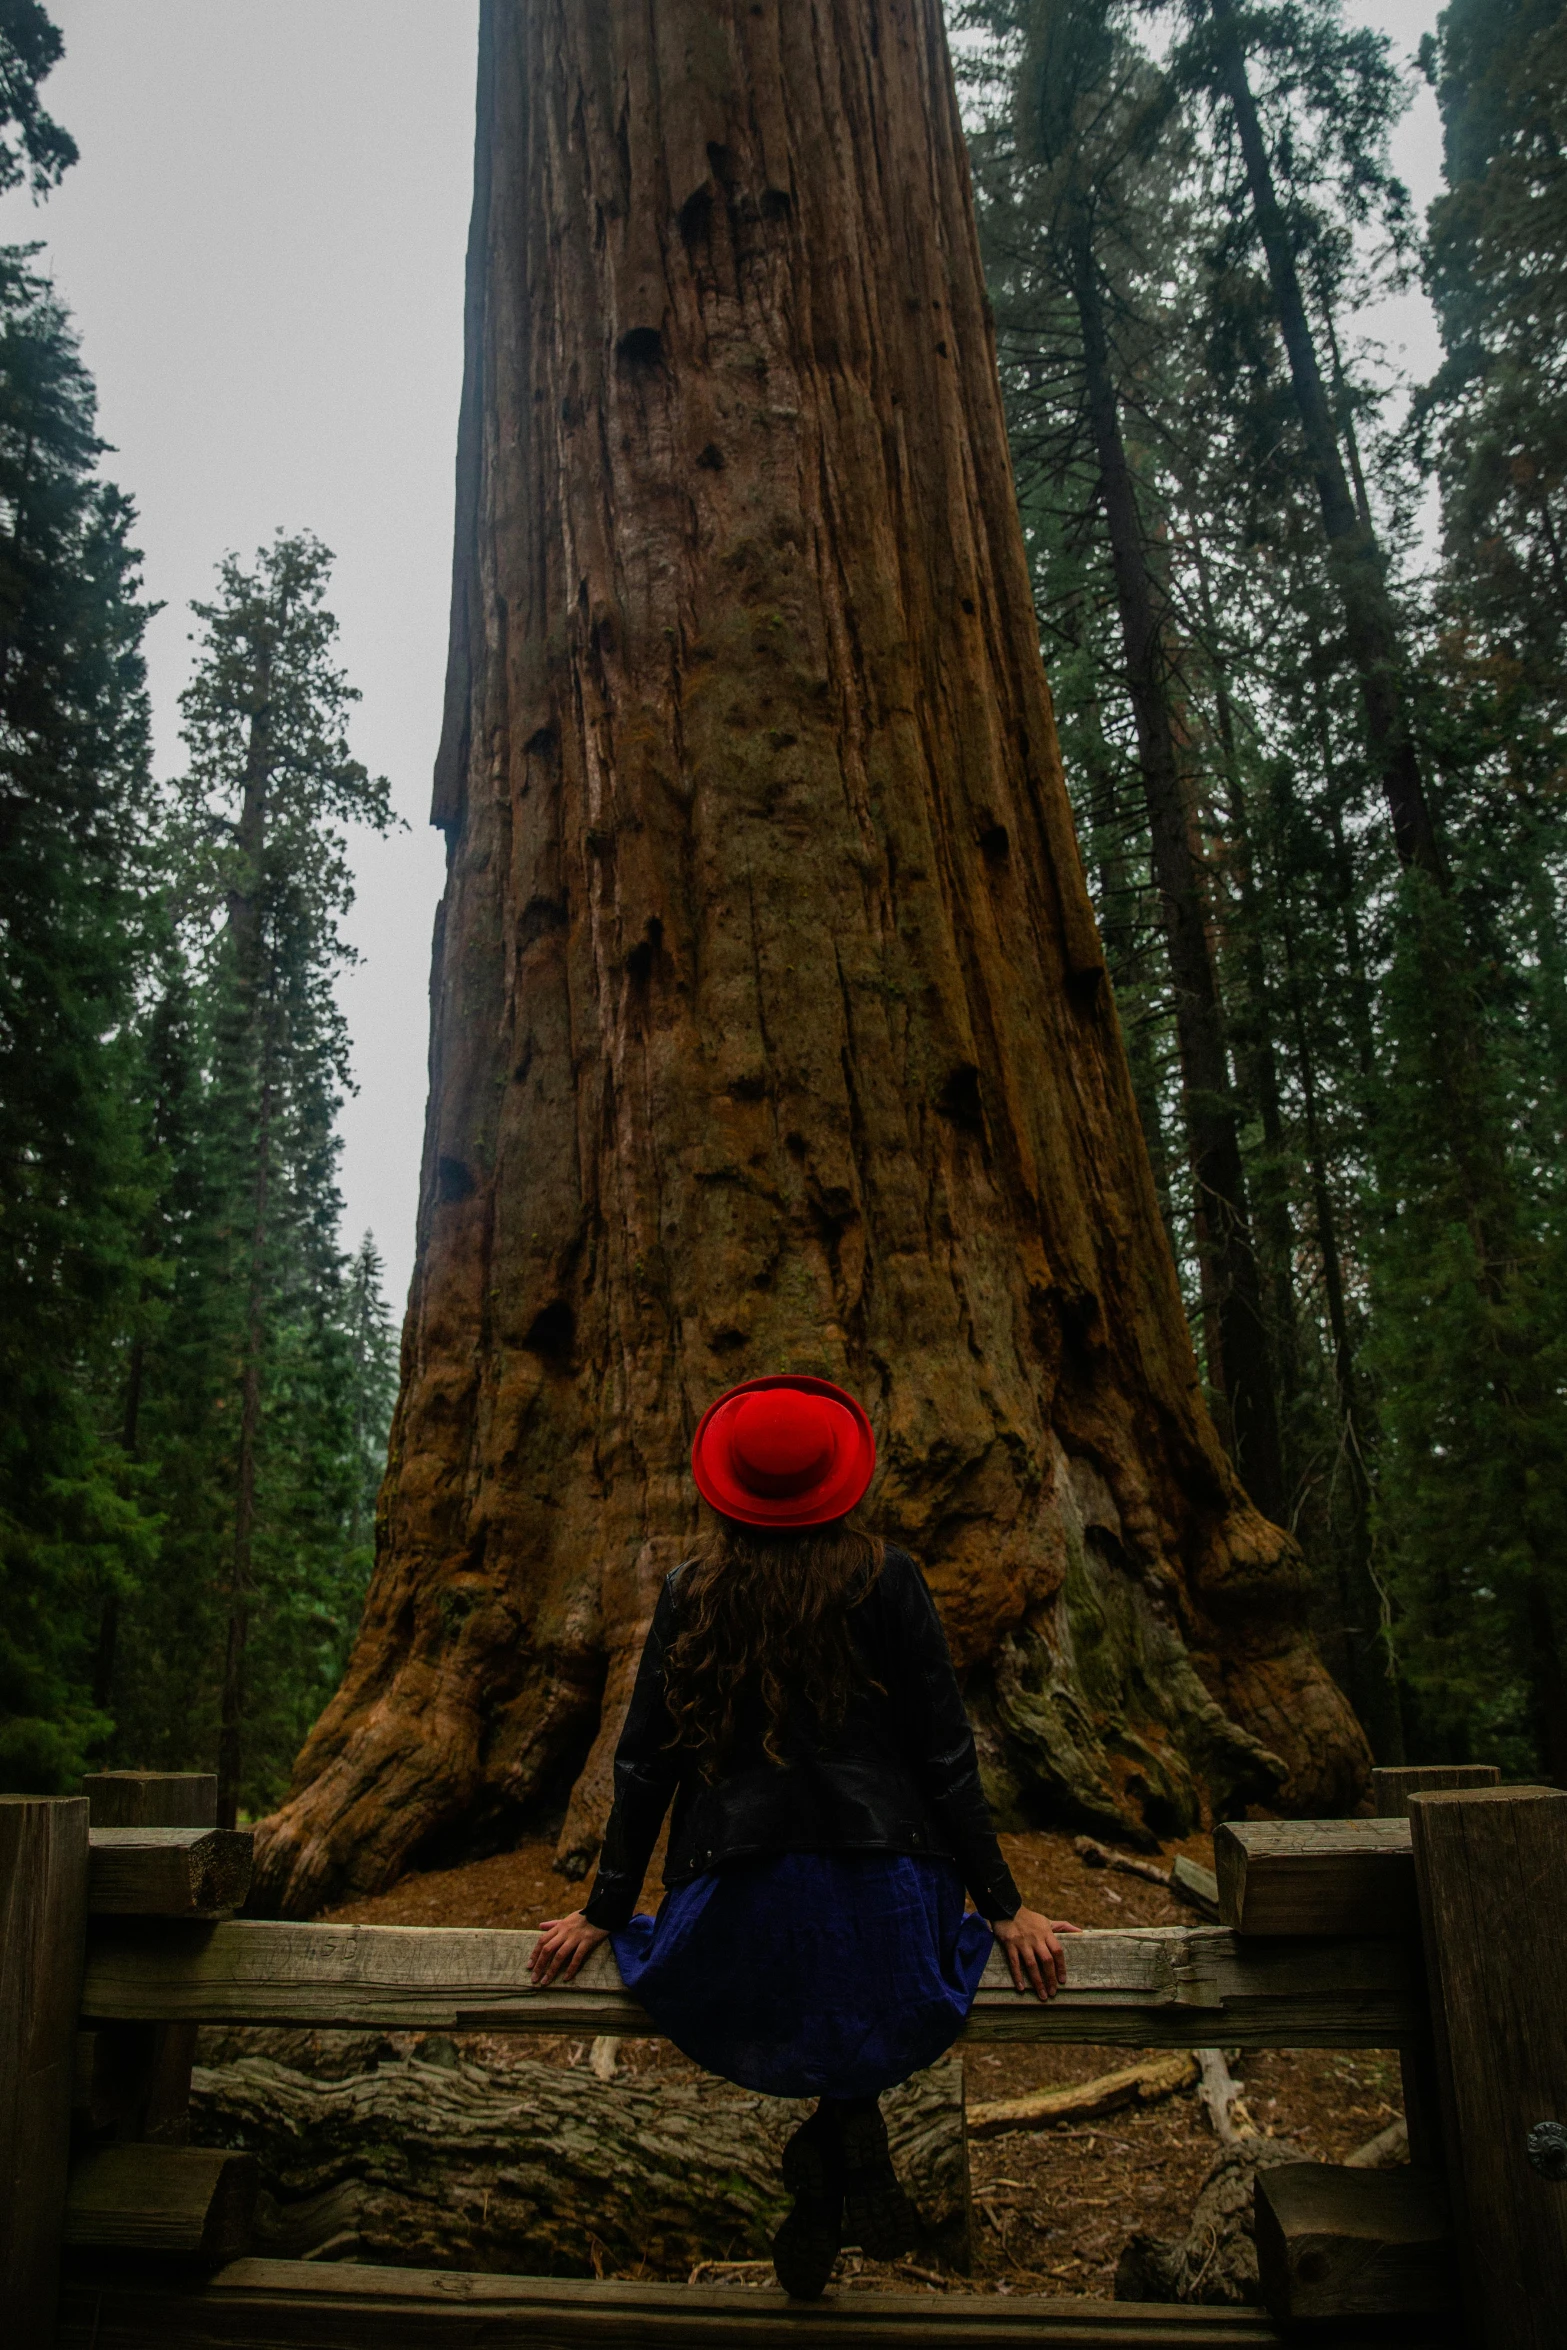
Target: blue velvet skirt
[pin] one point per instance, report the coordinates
(810, 1974)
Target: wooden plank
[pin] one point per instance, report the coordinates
(1392, 1788)
(1196, 1886)
(1492, 1869)
(43, 1922)
(1168, 1986)
(144, 2077)
(1316, 1877)
(1334, 2242)
(152, 1799)
(320, 2305)
(168, 1872)
(190, 2202)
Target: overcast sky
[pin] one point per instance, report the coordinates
(263, 248)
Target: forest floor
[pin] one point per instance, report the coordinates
(1052, 2207)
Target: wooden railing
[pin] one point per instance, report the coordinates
(1441, 1933)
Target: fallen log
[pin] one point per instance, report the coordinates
(1215, 2263)
(1133, 2084)
(1222, 2098)
(437, 2160)
(1383, 2152)
(1095, 1855)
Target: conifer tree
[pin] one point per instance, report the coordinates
(1341, 85)
(73, 781)
(1069, 204)
(268, 794)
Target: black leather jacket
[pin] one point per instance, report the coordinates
(899, 1774)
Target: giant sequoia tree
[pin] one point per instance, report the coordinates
(771, 1027)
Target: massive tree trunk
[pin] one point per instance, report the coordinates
(770, 1027)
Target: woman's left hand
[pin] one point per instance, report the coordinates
(1030, 1942)
(562, 1946)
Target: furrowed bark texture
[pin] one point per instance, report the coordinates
(770, 1027)
(443, 2160)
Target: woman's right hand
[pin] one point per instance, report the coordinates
(1033, 1950)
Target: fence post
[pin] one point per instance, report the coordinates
(1391, 1790)
(152, 1799)
(1491, 1865)
(1392, 1787)
(43, 1942)
(144, 2069)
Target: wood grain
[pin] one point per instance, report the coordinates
(1391, 1787)
(168, 1872)
(316, 2305)
(1316, 1876)
(1196, 1886)
(1492, 1870)
(1391, 1790)
(1334, 2242)
(152, 1799)
(192, 2202)
(1172, 1986)
(43, 1917)
(519, 2167)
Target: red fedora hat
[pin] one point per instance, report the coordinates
(783, 1452)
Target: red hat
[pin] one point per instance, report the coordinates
(783, 1452)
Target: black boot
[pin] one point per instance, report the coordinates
(877, 2215)
(808, 2243)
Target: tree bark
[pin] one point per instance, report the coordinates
(768, 1019)
(442, 2160)
(1243, 1372)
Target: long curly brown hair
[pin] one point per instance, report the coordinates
(767, 1611)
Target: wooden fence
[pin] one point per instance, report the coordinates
(1440, 1930)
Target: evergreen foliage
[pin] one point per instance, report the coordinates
(1372, 761)
(195, 1383)
(264, 1382)
(73, 787)
(1319, 776)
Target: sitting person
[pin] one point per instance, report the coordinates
(797, 1703)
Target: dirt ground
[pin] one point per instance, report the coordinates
(1053, 2207)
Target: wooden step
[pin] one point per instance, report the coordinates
(168, 1872)
(152, 1799)
(191, 2202)
(1300, 1877)
(1392, 1787)
(1340, 2243)
(318, 2305)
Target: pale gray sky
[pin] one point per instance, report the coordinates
(263, 248)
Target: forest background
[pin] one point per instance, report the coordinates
(1317, 758)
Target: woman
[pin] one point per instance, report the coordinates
(797, 1702)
